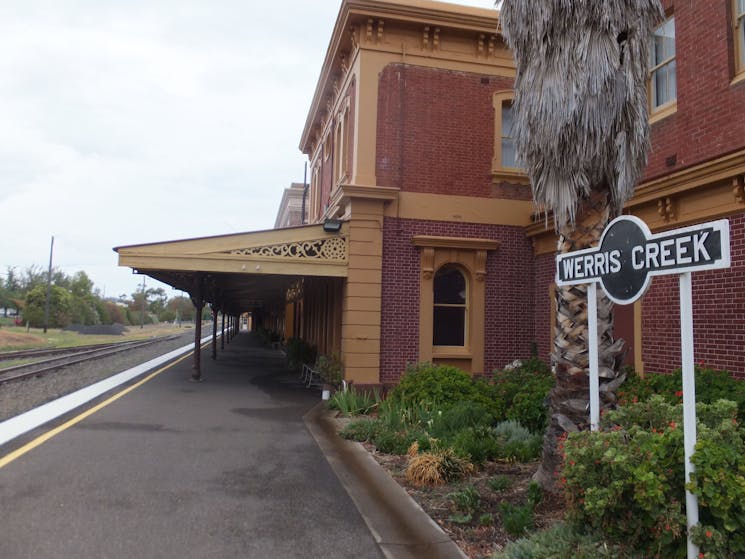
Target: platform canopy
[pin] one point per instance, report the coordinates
(243, 271)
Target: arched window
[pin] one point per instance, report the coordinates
(450, 307)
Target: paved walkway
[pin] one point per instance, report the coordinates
(174, 469)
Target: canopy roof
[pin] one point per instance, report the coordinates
(242, 271)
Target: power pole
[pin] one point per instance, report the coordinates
(49, 287)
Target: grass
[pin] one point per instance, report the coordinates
(16, 338)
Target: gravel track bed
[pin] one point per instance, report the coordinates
(20, 396)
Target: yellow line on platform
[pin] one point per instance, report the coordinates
(41, 439)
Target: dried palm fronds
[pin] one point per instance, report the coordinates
(580, 96)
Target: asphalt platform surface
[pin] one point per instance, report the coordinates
(225, 468)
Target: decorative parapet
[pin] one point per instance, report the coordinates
(326, 249)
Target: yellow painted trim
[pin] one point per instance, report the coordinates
(499, 172)
(38, 441)
(688, 179)
(461, 38)
(454, 242)
(706, 191)
(739, 43)
(462, 209)
(663, 111)
(228, 265)
(222, 243)
(470, 258)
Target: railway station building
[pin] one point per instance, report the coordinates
(416, 237)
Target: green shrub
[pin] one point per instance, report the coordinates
(628, 482)
(499, 483)
(711, 385)
(519, 392)
(363, 430)
(462, 415)
(535, 493)
(442, 386)
(395, 442)
(467, 500)
(516, 442)
(486, 519)
(560, 541)
(396, 415)
(719, 482)
(517, 519)
(353, 402)
(476, 444)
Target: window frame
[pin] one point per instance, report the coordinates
(657, 112)
(501, 173)
(738, 29)
(465, 306)
(341, 145)
(469, 255)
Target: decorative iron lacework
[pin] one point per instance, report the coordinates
(330, 248)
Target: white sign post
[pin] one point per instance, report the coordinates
(628, 256)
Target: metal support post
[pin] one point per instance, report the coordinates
(592, 341)
(214, 332)
(689, 401)
(196, 374)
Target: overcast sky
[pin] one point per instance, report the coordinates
(133, 121)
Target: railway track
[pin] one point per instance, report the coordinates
(56, 359)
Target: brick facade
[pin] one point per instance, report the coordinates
(545, 272)
(509, 324)
(435, 132)
(718, 315)
(710, 118)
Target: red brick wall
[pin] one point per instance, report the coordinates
(436, 132)
(718, 315)
(509, 299)
(545, 272)
(710, 118)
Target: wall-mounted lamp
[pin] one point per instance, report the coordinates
(332, 225)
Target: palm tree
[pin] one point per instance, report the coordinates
(582, 132)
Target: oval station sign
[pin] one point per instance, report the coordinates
(629, 255)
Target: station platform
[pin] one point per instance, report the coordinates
(216, 469)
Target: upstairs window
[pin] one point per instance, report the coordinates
(509, 156)
(450, 307)
(504, 161)
(662, 86)
(739, 20)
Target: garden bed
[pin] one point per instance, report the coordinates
(478, 540)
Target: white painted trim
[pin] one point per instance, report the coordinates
(689, 401)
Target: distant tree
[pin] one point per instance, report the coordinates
(114, 313)
(83, 310)
(157, 300)
(81, 285)
(182, 307)
(60, 307)
(32, 277)
(12, 282)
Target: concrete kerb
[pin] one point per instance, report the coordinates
(399, 525)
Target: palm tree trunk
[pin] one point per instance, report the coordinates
(569, 398)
